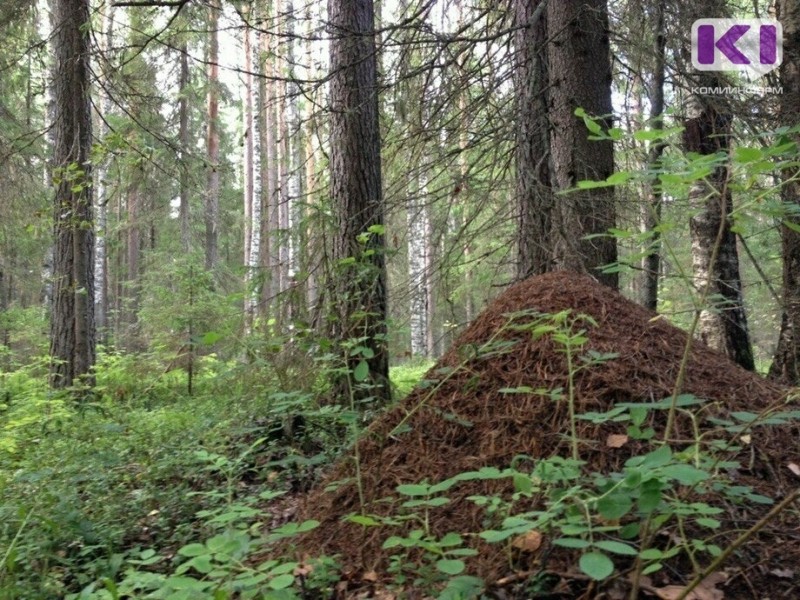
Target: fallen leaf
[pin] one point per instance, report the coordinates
(705, 591)
(616, 440)
(794, 468)
(783, 573)
(746, 438)
(370, 576)
(529, 541)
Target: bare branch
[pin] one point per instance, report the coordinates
(159, 3)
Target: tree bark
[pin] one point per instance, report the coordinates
(579, 76)
(101, 256)
(535, 199)
(715, 258)
(786, 364)
(72, 328)
(356, 192)
(250, 224)
(651, 263)
(184, 141)
(417, 222)
(266, 169)
(212, 142)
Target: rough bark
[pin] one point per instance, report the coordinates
(133, 247)
(355, 160)
(715, 258)
(72, 328)
(184, 141)
(786, 364)
(651, 263)
(534, 192)
(266, 170)
(579, 75)
(212, 141)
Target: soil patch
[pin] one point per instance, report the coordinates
(464, 417)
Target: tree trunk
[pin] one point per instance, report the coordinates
(212, 142)
(417, 219)
(101, 258)
(356, 192)
(184, 141)
(651, 263)
(266, 170)
(715, 258)
(72, 328)
(250, 225)
(786, 364)
(133, 249)
(579, 75)
(534, 192)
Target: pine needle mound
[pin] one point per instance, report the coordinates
(465, 418)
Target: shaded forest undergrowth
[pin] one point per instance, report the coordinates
(546, 455)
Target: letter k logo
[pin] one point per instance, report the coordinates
(750, 45)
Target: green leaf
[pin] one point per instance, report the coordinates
(392, 542)
(709, 522)
(651, 554)
(361, 372)
(596, 565)
(193, 550)
(614, 506)
(616, 547)
(362, 520)
(571, 543)
(186, 583)
(451, 539)
(413, 489)
(746, 155)
(281, 582)
(210, 338)
(450, 566)
(684, 474)
(493, 536)
(648, 135)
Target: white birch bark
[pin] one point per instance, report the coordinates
(418, 250)
(102, 196)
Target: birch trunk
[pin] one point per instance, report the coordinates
(101, 224)
(417, 220)
(251, 225)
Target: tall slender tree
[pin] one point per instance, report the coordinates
(184, 141)
(651, 211)
(212, 139)
(786, 364)
(355, 159)
(72, 330)
(102, 187)
(715, 257)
